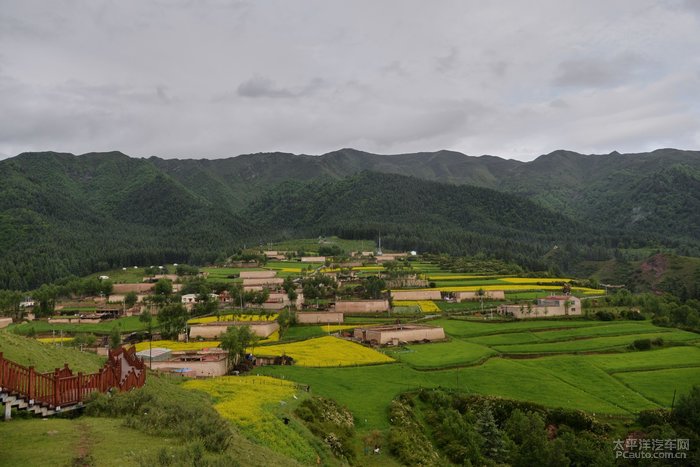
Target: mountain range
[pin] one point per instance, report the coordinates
(63, 214)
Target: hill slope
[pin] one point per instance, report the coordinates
(62, 214)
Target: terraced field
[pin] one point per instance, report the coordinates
(326, 351)
(619, 383)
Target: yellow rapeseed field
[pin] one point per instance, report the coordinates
(54, 340)
(534, 280)
(250, 402)
(175, 345)
(232, 317)
(326, 351)
(513, 288)
(438, 277)
(426, 306)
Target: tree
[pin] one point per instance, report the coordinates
(163, 287)
(173, 320)
(46, 296)
(493, 444)
(115, 338)
(235, 341)
(372, 287)
(10, 301)
(285, 319)
(130, 299)
(106, 288)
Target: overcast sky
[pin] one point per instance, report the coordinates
(220, 78)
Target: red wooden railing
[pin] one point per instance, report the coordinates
(123, 371)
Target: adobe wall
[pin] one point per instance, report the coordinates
(321, 317)
(138, 288)
(262, 281)
(257, 274)
(383, 336)
(416, 295)
(488, 295)
(361, 306)
(5, 322)
(214, 330)
(201, 369)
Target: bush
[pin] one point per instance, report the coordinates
(171, 411)
(604, 315)
(651, 417)
(642, 344)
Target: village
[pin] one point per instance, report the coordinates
(371, 298)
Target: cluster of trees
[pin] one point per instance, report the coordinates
(664, 310)
(437, 425)
(319, 286)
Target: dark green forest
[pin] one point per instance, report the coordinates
(64, 215)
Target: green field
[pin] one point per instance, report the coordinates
(612, 384)
(125, 325)
(46, 357)
(310, 245)
(443, 354)
(104, 441)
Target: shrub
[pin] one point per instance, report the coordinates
(642, 344)
(653, 417)
(604, 315)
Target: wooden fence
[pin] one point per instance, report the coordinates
(60, 388)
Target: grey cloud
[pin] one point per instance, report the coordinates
(156, 77)
(447, 62)
(260, 86)
(596, 71)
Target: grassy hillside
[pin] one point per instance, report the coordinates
(46, 357)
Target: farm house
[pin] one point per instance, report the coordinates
(396, 334)
(554, 305)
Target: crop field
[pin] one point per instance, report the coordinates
(232, 317)
(175, 345)
(326, 351)
(426, 306)
(512, 288)
(125, 325)
(55, 340)
(442, 354)
(251, 403)
(619, 383)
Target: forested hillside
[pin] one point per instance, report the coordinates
(62, 214)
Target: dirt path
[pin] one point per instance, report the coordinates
(83, 458)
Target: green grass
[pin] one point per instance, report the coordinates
(659, 385)
(525, 295)
(368, 391)
(302, 332)
(650, 360)
(129, 276)
(126, 325)
(46, 357)
(596, 343)
(58, 441)
(544, 335)
(444, 354)
(472, 328)
(311, 245)
(472, 282)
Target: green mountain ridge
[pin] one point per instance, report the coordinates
(62, 214)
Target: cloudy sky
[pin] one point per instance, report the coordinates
(176, 78)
